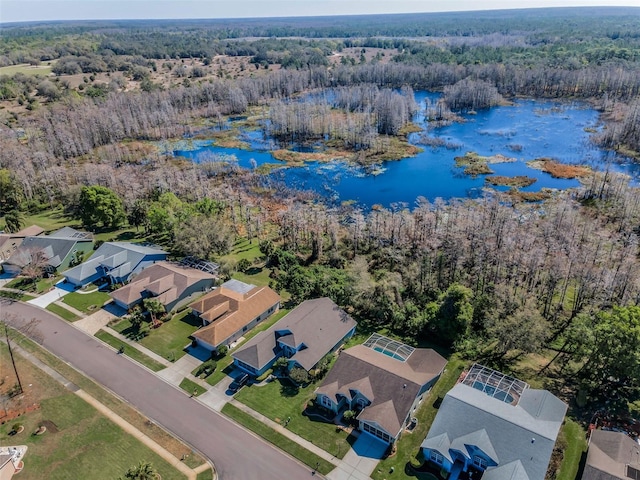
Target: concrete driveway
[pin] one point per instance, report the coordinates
(59, 290)
(361, 460)
(236, 453)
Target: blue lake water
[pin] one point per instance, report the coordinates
(526, 130)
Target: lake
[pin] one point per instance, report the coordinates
(526, 130)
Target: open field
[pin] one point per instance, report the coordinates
(160, 436)
(79, 441)
(26, 69)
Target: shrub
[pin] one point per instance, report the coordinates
(206, 368)
(222, 350)
(349, 416)
(299, 375)
(265, 375)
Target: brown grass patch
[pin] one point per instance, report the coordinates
(517, 181)
(299, 157)
(519, 196)
(559, 170)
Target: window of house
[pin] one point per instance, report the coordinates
(361, 403)
(326, 402)
(436, 457)
(244, 329)
(480, 462)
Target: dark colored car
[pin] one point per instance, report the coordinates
(239, 382)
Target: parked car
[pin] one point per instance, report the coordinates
(239, 382)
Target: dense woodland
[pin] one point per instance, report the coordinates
(493, 279)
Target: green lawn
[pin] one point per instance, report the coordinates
(573, 436)
(192, 387)
(279, 440)
(224, 362)
(86, 302)
(79, 442)
(23, 297)
(130, 351)
(51, 220)
(62, 312)
(26, 69)
(124, 410)
(409, 444)
(280, 400)
(42, 285)
(169, 340)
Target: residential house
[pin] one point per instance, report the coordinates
(114, 262)
(494, 427)
(9, 242)
(11, 461)
(612, 456)
(171, 284)
(231, 310)
(384, 381)
(303, 336)
(59, 249)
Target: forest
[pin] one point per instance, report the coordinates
(495, 279)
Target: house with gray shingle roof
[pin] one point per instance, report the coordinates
(612, 456)
(383, 386)
(114, 262)
(58, 248)
(9, 242)
(304, 336)
(495, 426)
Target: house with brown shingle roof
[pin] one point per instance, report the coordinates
(303, 336)
(231, 310)
(172, 284)
(612, 456)
(384, 381)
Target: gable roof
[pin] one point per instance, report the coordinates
(118, 258)
(510, 471)
(166, 282)
(610, 455)
(390, 385)
(55, 250)
(231, 307)
(319, 324)
(526, 432)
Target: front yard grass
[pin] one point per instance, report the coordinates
(279, 400)
(279, 440)
(191, 387)
(86, 302)
(409, 443)
(169, 339)
(62, 312)
(573, 436)
(130, 351)
(23, 297)
(79, 442)
(40, 286)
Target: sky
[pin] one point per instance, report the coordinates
(36, 10)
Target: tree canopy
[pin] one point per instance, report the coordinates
(100, 207)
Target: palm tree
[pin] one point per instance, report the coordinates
(142, 471)
(14, 221)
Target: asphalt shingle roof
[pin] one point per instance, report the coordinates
(319, 324)
(526, 432)
(609, 455)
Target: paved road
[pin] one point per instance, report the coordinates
(235, 453)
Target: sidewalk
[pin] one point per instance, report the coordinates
(191, 474)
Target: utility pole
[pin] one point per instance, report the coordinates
(13, 362)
